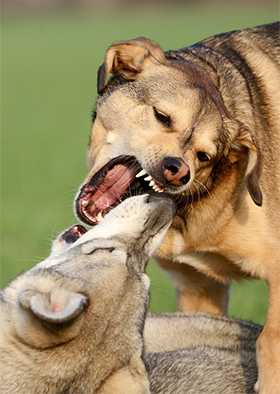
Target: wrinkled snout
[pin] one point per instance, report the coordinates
(175, 171)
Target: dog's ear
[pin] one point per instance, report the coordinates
(57, 307)
(51, 318)
(246, 142)
(127, 58)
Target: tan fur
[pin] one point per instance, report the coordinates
(222, 97)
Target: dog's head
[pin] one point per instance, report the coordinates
(92, 279)
(160, 124)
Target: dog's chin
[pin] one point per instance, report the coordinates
(119, 179)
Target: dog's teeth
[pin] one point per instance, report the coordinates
(141, 173)
(85, 202)
(152, 183)
(148, 178)
(156, 189)
(99, 217)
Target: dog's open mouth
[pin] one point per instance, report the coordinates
(120, 178)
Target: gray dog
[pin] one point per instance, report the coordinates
(74, 323)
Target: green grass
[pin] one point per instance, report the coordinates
(49, 66)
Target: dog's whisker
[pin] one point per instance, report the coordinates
(71, 191)
(33, 259)
(165, 294)
(48, 236)
(46, 240)
(88, 97)
(208, 192)
(198, 192)
(170, 244)
(170, 257)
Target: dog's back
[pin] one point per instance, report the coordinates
(201, 370)
(172, 331)
(198, 353)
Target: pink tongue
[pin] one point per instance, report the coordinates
(114, 185)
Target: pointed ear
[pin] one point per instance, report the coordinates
(57, 307)
(127, 58)
(246, 142)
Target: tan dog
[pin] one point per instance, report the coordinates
(74, 323)
(202, 124)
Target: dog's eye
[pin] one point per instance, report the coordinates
(102, 249)
(162, 118)
(202, 156)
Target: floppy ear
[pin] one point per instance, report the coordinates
(127, 58)
(245, 141)
(49, 319)
(57, 307)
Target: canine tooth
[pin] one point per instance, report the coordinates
(141, 173)
(99, 216)
(152, 183)
(148, 178)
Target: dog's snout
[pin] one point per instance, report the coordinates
(176, 171)
(165, 199)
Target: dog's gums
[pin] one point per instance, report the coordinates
(119, 179)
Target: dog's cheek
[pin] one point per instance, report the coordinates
(96, 142)
(110, 138)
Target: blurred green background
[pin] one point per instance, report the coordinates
(50, 58)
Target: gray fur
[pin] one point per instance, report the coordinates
(74, 323)
(196, 353)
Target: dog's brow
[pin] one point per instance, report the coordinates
(109, 249)
(185, 142)
(98, 242)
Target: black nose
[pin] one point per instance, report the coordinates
(70, 236)
(176, 171)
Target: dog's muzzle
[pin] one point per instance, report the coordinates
(123, 177)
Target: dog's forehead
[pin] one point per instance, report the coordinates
(188, 108)
(166, 86)
(90, 250)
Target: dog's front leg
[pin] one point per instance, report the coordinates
(195, 290)
(268, 345)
